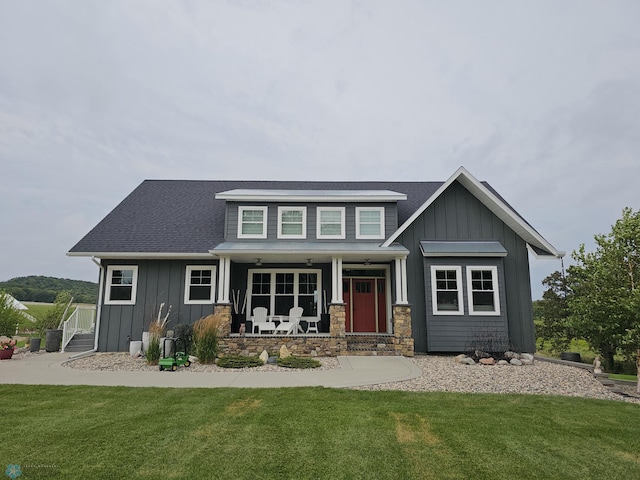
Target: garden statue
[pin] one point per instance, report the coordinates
(596, 365)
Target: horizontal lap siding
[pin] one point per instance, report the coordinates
(390, 220)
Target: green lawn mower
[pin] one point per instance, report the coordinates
(173, 357)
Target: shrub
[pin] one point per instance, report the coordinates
(206, 332)
(9, 316)
(239, 361)
(185, 332)
(298, 362)
(153, 351)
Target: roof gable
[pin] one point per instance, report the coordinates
(539, 246)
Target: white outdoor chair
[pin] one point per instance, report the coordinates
(260, 321)
(291, 323)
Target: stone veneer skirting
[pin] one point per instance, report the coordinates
(331, 345)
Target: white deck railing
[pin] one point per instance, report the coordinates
(80, 321)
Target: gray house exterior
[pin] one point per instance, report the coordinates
(400, 266)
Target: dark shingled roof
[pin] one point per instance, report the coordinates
(183, 216)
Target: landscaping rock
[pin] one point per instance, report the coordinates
(502, 362)
(526, 361)
(264, 356)
(487, 361)
(284, 352)
(468, 361)
(526, 356)
(459, 358)
(509, 355)
(515, 361)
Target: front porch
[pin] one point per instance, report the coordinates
(334, 343)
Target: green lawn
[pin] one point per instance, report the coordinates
(313, 433)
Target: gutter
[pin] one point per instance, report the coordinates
(98, 313)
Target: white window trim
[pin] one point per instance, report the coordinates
(382, 223)
(281, 210)
(319, 210)
(134, 285)
(496, 295)
(272, 295)
(265, 211)
(434, 290)
(187, 285)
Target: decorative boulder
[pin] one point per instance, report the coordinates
(502, 362)
(487, 361)
(264, 356)
(481, 354)
(509, 354)
(468, 361)
(526, 356)
(526, 361)
(459, 358)
(515, 361)
(284, 352)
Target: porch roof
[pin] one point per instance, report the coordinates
(292, 252)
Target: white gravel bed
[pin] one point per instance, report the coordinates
(442, 374)
(123, 362)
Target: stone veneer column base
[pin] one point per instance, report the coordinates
(224, 310)
(403, 338)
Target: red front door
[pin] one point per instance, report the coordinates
(361, 297)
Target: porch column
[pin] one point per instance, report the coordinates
(402, 297)
(224, 275)
(336, 280)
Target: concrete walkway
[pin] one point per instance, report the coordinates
(48, 369)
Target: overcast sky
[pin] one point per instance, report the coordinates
(539, 98)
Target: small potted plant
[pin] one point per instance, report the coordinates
(7, 345)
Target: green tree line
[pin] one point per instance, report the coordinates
(598, 298)
(46, 289)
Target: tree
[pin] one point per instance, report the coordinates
(605, 304)
(9, 316)
(553, 313)
(54, 315)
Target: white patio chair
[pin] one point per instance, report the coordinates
(260, 321)
(291, 323)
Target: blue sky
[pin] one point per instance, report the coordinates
(539, 98)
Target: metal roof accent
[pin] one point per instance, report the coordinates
(462, 249)
(268, 195)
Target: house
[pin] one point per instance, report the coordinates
(385, 267)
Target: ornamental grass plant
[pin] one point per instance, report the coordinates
(206, 333)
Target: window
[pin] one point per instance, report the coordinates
(482, 290)
(446, 290)
(330, 222)
(199, 285)
(369, 222)
(121, 285)
(252, 222)
(292, 222)
(280, 290)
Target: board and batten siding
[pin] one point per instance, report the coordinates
(463, 333)
(457, 215)
(159, 281)
(231, 226)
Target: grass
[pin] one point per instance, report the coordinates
(620, 376)
(308, 433)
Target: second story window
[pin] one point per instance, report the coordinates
(292, 222)
(252, 222)
(330, 222)
(370, 222)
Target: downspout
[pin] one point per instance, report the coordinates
(98, 312)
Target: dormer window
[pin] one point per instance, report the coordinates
(330, 222)
(252, 222)
(292, 222)
(370, 222)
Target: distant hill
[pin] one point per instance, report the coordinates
(45, 289)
